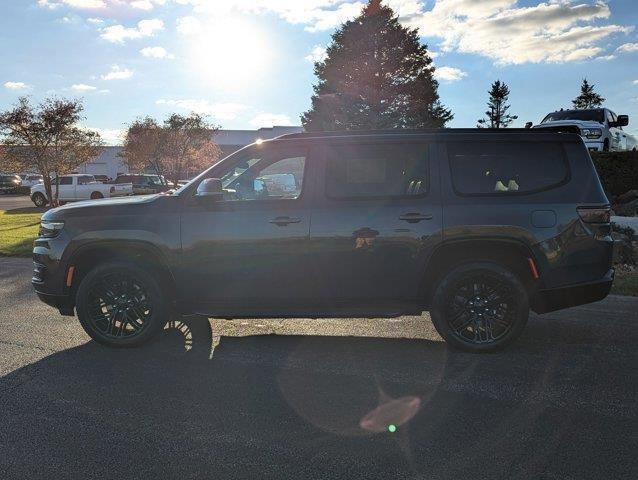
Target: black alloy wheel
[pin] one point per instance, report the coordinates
(121, 305)
(480, 307)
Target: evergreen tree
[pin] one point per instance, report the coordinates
(376, 75)
(587, 98)
(497, 116)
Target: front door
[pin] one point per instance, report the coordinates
(249, 251)
(376, 223)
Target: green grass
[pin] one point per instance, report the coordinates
(625, 283)
(18, 229)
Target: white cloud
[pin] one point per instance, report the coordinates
(110, 136)
(318, 54)
(101, 4)
(220, 111)
(189, 25)
(120, 33)
(117, 73)
(449, 74)
(270, 120)
(507, 31)
(556, 31)
(83, 87)
(15, 86)
(95, 20)
(85, 4)
(628, 48)
(316, 15)
(155, 52)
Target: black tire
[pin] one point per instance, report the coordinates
(39, 200)
(120, 304)
(480, 307)
(96, 196)
(606, 145)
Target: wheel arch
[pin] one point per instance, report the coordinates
(140, 253)
(509, 253)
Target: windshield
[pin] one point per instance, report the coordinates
(595, 115)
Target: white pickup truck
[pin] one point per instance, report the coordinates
(79, 187)
(600, 128)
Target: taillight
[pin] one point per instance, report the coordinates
(112, 190)
(595, 214)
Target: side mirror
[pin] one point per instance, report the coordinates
(623, 121)
(528, 125)
(210, 190)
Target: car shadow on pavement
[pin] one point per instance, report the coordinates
(306, 407)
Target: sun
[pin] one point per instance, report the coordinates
(230, 53)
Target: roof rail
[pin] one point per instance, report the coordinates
(406, 131)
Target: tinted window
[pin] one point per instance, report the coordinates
(358, 171)
(85, 180)
(277, 175)
(505, 167)
(66, 181)
(123, 179)
(594, 115)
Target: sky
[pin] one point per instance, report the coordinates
(249, 63)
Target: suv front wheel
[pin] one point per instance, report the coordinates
(121, 305)
(480, 307)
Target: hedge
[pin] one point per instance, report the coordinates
(618, 171)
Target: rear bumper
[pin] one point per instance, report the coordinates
(572, 295)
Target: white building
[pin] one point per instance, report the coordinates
(110, 163)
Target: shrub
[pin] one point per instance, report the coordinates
(618, 171)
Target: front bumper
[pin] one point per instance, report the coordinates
(594, 145)
(62, 302)
(572, 295)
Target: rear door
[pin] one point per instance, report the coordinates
(377, 219)
(85, 186)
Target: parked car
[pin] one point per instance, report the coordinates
(144, 184)
(600, 128)
(9, 183)
(475, 226)
(78, 187)
(30, 179)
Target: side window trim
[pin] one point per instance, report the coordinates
(329, 156)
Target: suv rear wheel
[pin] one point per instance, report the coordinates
(480, 307)
(121, 305)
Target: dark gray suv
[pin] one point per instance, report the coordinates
(475, 226)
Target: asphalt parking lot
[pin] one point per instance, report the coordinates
(318, 400)
(9, 202)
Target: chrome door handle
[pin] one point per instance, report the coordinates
(283, 221)
(415, 217)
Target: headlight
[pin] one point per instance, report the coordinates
(50, 229)
(591, 132)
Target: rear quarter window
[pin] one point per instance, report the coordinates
(502, 168)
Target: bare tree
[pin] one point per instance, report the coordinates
(47, 139)
(179, 145)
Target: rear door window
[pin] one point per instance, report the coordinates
(66, 180)
(500, 168)
(376, 171)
